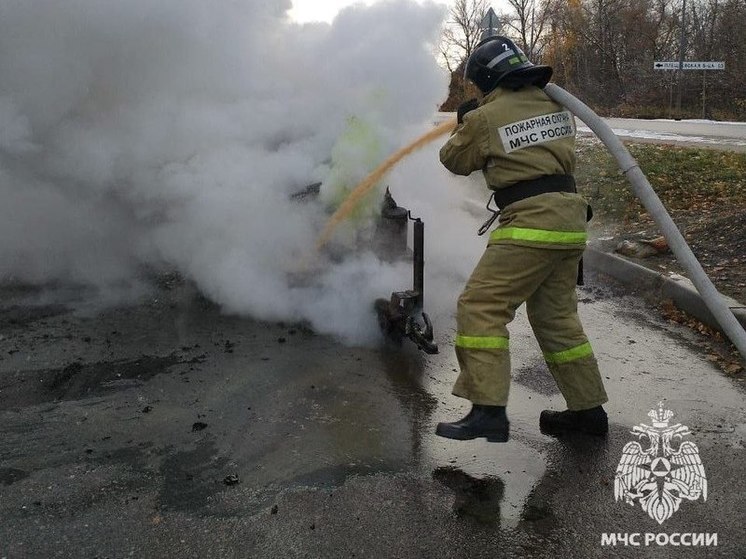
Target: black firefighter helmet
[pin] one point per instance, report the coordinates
(497, 61)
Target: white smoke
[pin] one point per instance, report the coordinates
(171, 134)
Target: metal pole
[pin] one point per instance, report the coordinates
(682, 47)
(418, 246)
(704, 93)
(670, 97)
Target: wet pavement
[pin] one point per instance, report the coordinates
(166, 429)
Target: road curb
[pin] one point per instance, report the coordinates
(677, 288)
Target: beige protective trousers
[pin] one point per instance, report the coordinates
(508, 275)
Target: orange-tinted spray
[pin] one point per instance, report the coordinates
(364, 186)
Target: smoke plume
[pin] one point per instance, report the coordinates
(171, 135)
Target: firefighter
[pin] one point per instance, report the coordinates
(524, 144)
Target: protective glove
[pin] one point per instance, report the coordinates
(464, 108)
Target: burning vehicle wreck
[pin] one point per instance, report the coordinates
(401, 316)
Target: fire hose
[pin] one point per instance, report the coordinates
(645, 193)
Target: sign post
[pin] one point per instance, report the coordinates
(688, 65)
(682, 48)
(490, 23)
(680, 66)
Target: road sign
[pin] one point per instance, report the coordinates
(688, 65)
(490, 20)
(489, 24)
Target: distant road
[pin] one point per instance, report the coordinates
(702, 133)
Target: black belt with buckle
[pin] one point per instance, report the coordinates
(525, 189)
(503, 197)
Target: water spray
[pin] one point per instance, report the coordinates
(364, 186)
(401, 316)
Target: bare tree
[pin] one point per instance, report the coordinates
(605, 49)
(530, 22)
(462, 32)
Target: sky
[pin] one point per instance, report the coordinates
(305, 11)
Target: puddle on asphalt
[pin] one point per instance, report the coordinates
(476, 498)
(8, 476)
(517, 466)
(334, 476)
(79, 380)
(405, 371)
(20, 316)
(192, 477)
(536, 376)
(477, 471)
(496, 483)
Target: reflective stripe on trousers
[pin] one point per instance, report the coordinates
(481, 342)
(567, 355)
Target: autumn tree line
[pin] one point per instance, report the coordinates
(603, 51)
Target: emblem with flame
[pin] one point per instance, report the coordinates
(661, 476)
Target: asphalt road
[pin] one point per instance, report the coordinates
(166, 429)
(698, 133)
(703, 128)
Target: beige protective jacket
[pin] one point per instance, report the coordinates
(516, 136)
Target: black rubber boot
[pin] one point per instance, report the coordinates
(592, 422)
(482, 421)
